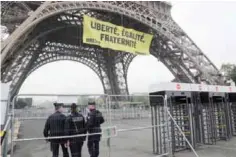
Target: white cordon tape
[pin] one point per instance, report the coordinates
(140, 128)
(80, 135)
(32, 118)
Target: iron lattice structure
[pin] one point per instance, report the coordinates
(44, 32)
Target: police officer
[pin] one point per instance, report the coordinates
(94, 121)
(75, 124)
(55, 126)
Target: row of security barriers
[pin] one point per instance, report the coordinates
(164, 122)
(205, 116)
(138, 123)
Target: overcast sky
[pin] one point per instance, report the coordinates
(212, 25)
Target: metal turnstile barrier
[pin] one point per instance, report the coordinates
(200, 113)
(219, 118)
(181, 110)
(197, 118)
(214, 116)
(180, 107)
(232, 113)
(212, 120)
(207, 125)
(162, 131)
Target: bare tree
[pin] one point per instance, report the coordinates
(229, 71)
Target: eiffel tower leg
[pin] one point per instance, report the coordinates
(111, 71)
(116, 67)
(22, 74)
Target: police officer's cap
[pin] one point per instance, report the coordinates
(73, 105)
(91, 103)
(58, 104)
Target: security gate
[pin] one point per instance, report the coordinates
(161, 131)
(206, 118)
(180, 107)
(197, 118)
(181, 110)
(212, 115)
(213, 120)
(233, 108)
(232, 112)
(219, 108)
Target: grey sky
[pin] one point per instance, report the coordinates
(212, 25)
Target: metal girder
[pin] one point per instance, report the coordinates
(172, 60)
(21, 74)
(82, 55)
(60, 51)
(16, 59)
(13, 19)
(13, 14)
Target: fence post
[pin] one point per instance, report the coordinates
(5, 140)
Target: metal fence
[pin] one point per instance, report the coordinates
(116, 114)
(143, 129)
(137, 128)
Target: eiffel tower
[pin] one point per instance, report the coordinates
(45, 32)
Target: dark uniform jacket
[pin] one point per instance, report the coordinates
(55, 126)
(75, 124)
(94, 121)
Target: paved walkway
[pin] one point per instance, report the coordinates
(126, 144)
(136, 143)
(222, 149)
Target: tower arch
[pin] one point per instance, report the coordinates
(170, 45)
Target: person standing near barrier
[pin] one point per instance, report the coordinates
(75, 125)
(94, 121)
(55, 126)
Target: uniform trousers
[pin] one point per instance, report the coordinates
(93, 147)
(76, 148)
(55, 149)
